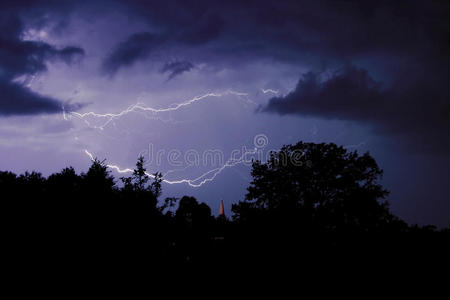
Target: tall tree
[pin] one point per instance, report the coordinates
(98, 180)
(140, 177)
(137, 186)
(320, 185)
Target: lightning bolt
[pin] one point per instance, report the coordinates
(196, 182)
(140, 107)
(265, 91)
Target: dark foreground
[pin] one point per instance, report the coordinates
(327, 213)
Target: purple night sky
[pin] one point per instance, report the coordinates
(175, 79)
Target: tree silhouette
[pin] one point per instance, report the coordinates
(169, 203)
(140, 176)
(319, 186)
(64, 185)
(137, 185)
(98, 182)
(8, 185)
(318, 196)
(191, 212)
(194, 229)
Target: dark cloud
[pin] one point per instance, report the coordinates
(315, 34)
(19, 100)
(415, 107)
(349, 93)
(18, 58)
(70, 54)
(207, 28)
(136, 47)
(293, 29)
(141, 46)
(176, 68)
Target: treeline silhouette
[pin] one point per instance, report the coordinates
(307, 201)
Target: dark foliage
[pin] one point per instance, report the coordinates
(309, 200)
(319, 187)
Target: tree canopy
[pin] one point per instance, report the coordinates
(323, 186)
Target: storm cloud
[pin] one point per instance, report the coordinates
(138, 46)
(414, 106)
(391, 56)
(145, 45)
(20, 100)
(176, 68)
(22, 58)
(349, 93)
(289, 30)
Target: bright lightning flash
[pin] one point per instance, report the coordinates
(139, 107)
(196, 182)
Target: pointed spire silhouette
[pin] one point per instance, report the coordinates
(222, 212)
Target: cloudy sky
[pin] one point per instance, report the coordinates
(195, 86)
